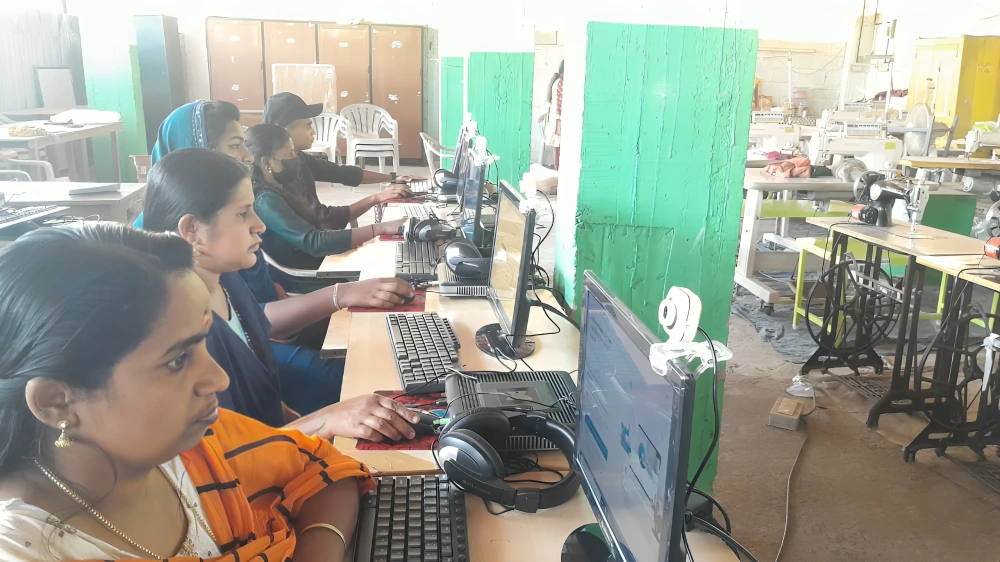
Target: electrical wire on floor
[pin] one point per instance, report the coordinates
(791, 472)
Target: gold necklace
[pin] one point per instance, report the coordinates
(187, 549)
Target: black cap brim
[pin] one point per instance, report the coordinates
(312, 110)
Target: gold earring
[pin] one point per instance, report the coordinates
(63, 441)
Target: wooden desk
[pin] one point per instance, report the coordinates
(975, 269)
(57, 134)
(370, 366)
(519, 537)
(35, 113)
(924, 241)
(957, 163)
(368, 261)
(117, 206)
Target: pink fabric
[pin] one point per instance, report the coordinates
(798, 167)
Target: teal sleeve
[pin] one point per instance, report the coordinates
(285, 223)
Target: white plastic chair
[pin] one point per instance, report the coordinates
(365, 123)
(329, 128)
(48, 172)
(435, 153)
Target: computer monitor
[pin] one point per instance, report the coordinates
(462, 171)
(634, 432)
(471, 212)
(510, 272)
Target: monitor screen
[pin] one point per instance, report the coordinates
(461, 153)
(510, 266)
(462, 173)
(473, 189)
(634, 433)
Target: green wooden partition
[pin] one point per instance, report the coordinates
(666, 115)
(500, 88)
(452, 101)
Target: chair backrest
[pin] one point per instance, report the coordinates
(290, 271)
(365, 117)
(327, 126)
(14, 175)
(432, 150)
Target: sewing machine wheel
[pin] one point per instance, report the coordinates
(918, 117)
(863, 318)
(992, 221)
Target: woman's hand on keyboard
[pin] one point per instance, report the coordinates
(372, 417)
(374, 293)
(396, 191)
(388, 227)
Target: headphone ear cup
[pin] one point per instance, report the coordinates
(473, 453)
(491, 424)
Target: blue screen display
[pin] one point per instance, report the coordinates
(627, 439)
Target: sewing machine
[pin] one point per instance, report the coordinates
(976, 140)
(867, 142)
(769, 131)
(880, 200)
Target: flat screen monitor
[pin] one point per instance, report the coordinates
(472, 202)
(510, 271)
(462, 150)
(634, 432)
(462, 173)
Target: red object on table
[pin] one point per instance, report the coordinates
(418, 304)
(421, 442)
(391, 238)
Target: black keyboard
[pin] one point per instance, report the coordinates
(423, 344)
(10, 216)
(417, 261)
(412, 519)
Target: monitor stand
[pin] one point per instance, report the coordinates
(586, 544)
(490, 339)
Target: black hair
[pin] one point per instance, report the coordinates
(265, 140)
(190, 181)
(74, 301)
(218, 115)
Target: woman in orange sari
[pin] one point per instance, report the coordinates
(114, 446)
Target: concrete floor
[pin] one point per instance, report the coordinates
(853, 498)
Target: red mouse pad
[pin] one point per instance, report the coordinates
(391, 238)
(424, 403)
(418, 304)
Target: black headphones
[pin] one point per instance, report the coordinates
(465, 260)
(446, 181)
(427, 230)
(467, 452)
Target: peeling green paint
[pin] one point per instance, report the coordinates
(665, 123)
(500, 88)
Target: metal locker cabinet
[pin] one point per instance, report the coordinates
(287, 43)
(235, 62)
(397, 82)
(346, 47)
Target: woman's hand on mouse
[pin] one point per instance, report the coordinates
(374, 293)
(396, 191)
(372, 417)
(389, 227)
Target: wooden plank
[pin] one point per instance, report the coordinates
(957, 163)
(452, 102)
(666, 117)
(979, 270)
(923, 241)
(500, 88)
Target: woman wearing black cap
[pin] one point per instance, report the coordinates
(295, 115)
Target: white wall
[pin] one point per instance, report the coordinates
(817, 68)
(466, 26)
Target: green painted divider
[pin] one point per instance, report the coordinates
(452, 102)
(112, 75)
(500, 88)
(666, 118)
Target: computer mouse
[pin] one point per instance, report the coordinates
(408, 300)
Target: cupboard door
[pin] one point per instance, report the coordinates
(397, 82)
(236, 61)
(287, 43)
(347, 49)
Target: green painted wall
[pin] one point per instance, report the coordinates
(665, 121)
(452, 102)
(500, 88)
(112, 75)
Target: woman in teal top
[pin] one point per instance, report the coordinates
(295, 234)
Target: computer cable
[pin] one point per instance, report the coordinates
(555, 404)
(732, 543)
(715, 410)
(715, 502)
(557, 312)
(788, 486)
